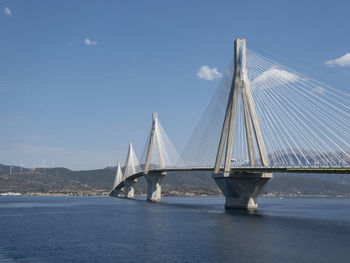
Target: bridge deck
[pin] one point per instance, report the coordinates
(319, 170)
(324, 170)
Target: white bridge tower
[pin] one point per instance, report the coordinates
(240, 189)
(154, 179)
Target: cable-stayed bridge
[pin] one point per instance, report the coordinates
(264, 118)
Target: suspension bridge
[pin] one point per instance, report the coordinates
(264, 118)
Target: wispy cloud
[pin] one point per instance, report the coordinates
(208, 73)
(34, 154)
(318, 89)
(6, 87)
(343, 61)
(32, 137)
(89, 42)
(275, 77)
(7, 11)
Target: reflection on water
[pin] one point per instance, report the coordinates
(179, 229)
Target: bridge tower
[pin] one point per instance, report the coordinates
(130, 169)
(240, 189)
(117, 192)
(153, 179)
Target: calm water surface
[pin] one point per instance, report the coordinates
(180, 229)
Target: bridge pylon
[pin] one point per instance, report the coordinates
(154, 179)
(240, 189)
(130, 169)
(117, 188)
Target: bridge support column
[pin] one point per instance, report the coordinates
(154, 189)
(117, 193)
(129, 188)
(241, 189)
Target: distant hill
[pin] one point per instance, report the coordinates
(54, 180)
(308, 185)
(92, 182)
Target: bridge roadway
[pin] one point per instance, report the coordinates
(154, 177)
(318, 170)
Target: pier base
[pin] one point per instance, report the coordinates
(117, 193)
(241, 189)
(154, 189)
(129, 188)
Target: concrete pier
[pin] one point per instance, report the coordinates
(117, 193)
(154, 189)
(129, 188)
(241, 189)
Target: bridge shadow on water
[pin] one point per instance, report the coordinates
(280, 230)
(199, 204)
(295, 209)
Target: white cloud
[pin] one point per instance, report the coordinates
(89, 42)
(343, 61)
(318, 89)
(7, 11)
(275, 77)
(208, 73)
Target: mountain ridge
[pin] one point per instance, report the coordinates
(61, 180)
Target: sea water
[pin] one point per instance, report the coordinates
(179, 229)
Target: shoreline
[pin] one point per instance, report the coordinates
(106, 194)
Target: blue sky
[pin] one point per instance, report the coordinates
(79, 79)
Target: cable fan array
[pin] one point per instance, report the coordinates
(163, 151)
(132, 165)
(303, 122)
